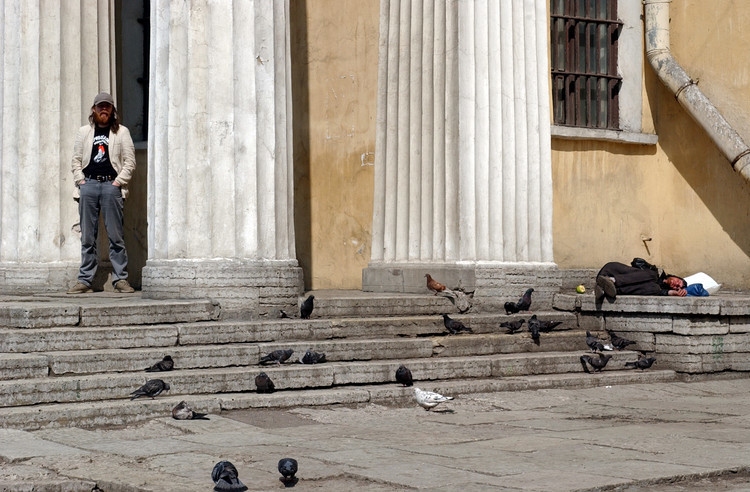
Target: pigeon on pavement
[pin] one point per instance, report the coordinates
(534, 329)
(618, 342)
(166, 364)
(311, 357)
(455, 327)
(263, 383)
(403, 376)
(152, 388)
(429, 399)
(277, 357)
(226, 478)
(523, 304)
(434, 285)
(642, 363)
(512, 326)
(183, 412)
(597, 363)
(306, 308)
(288, 468)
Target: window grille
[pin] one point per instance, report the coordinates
(583, 47)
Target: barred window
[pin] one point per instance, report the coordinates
(583, 47)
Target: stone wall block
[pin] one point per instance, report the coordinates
(700, 325)
(657, 323)
(739, 324)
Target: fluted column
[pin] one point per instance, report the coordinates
(462, 166)
(54, 58)
(220, 164)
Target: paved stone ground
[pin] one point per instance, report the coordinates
(663, 436)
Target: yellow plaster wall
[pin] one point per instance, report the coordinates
(335, 62)
(682, 192)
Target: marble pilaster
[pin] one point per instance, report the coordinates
(220, 165)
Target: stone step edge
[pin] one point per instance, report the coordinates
(121, 412)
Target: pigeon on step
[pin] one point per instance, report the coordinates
(523, 304)
(597, 363)
(512, 326)
(642, 363)
(455, 327)
(618, 342)
(263, 383)
(166, 364)
(434, 285)
(534, 328)
(403, 376)
(311, 357)
(276, 357)
(152, 388)
(306, 308)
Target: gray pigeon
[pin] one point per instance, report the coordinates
(288, 468)
(311, 357)
(166, 364)
(152, 388)
(277, 357)
(513, 326)
(523, 304)
(455, 327)
(306, 308)
(618, 342)
(183, 412)
(597, 363)
(263, 383)
(534, 329)
(642, 363)
(403, 376)
(593, 342)
(226, 478)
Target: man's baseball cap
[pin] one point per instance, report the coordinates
(104, 97)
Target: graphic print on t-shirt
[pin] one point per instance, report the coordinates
(101, 142)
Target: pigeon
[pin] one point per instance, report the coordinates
(311, 357)
(642, 363)
(434, 285)
(513, 326)
(225, 477)
(277, 356)
(183, 412)
(593, 342)
(166, 364)
(152, 388)
(288, 468)
(307, 308)
(455, 327)
(429, 399)
(263, 383)
(618, 342)
(547, 326)
(534, 327)
(403, 376)
(597, 363)
(523, 304)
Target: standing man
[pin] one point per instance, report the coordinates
(103, 163)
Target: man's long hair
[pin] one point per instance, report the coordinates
(114, 123)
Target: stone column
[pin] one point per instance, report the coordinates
(54, 58)
(463, 184)
(220, 165)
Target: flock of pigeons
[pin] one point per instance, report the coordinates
(225, 474)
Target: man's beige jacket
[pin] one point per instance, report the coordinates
(121, 155)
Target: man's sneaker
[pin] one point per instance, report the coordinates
(80, 288)
(607, 284)
(124, 287)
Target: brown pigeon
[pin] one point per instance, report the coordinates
(434, 285)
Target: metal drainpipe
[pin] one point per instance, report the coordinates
(686, 89)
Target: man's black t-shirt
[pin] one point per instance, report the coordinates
(99, 164)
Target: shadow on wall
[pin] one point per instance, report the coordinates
(724, 192)
(301, 131)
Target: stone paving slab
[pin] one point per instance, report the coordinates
(554, 439)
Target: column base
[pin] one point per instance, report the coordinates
(34, 278)
(493, 283)
(243, 288)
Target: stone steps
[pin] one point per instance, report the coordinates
(107, 386)
(120, 412)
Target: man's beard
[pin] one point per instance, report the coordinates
(102, 120)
